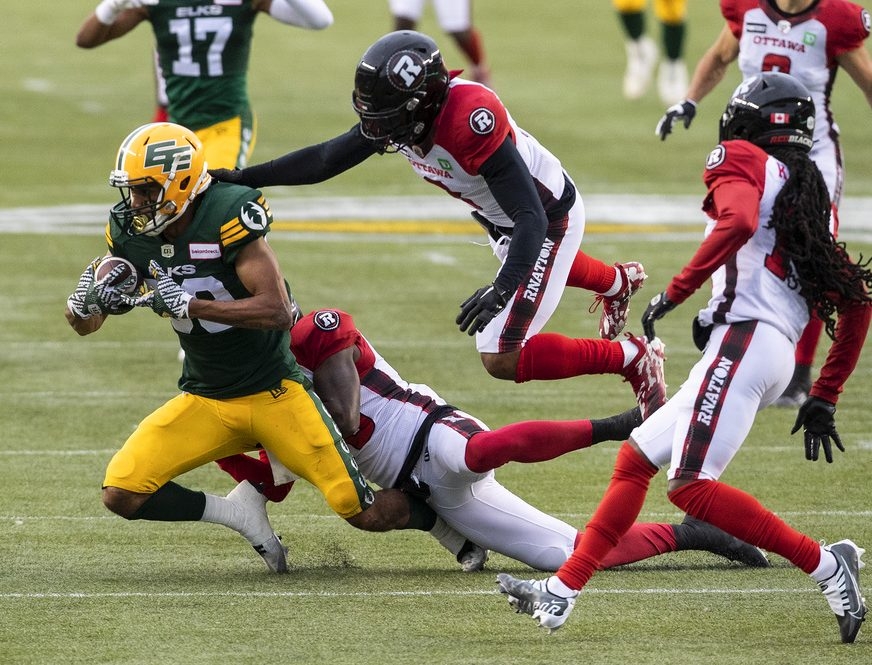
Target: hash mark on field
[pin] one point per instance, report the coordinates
(372, 594)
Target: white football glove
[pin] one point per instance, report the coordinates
(167, 298)
(108, 10)
(76, 300)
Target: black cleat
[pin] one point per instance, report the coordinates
(617, 427)
(694, 534)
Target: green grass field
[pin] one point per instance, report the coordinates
(80, 585)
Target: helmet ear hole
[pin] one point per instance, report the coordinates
(183, 185)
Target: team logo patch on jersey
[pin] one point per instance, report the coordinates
(716, 157)
(406, 70)
(482, 121)
(253, 216)
(326, 320)
(167, 251)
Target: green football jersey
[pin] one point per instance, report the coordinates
(203, 50)
(221, 361)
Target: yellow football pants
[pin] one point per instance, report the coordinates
(670, 12)
(291, 423)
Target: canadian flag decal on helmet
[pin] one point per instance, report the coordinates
(779, 118)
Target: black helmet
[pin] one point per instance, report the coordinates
(770, 110)
(399, 85)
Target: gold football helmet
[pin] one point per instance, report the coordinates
(162, 166)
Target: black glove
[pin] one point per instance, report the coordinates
(480, 308)
(659, 307)
(684, 110)
(817, 417)
(700, 333)
(233, 176)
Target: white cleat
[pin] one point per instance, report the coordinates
(641, 59)
(256, 527)
(532, 597)
(842, 590)
(672, 81)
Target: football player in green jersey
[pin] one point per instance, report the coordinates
(209, 270)
(203, 50)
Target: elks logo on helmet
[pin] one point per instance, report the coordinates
(482, 121)
(326, 319)
(406, 70)
(168, 155)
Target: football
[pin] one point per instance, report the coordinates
(127, 281)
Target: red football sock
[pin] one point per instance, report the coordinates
(549, 356)
(741, 515)
(807, 344)
(526, 442)
(642, 541)
(616, 513)
(256, 471)
(590, 274)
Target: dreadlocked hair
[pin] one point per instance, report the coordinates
(823, 272)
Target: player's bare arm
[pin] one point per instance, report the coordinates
(858, 64)
(713, 65)
(338, 385)
(94, 33)
(268, 307)
(84, 326)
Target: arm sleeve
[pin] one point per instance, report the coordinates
(851, 329)
(737, 204)
(510, 182)
(310, 14)
(313, 164)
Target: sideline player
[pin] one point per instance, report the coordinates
(202, 51)
(213, 275)
(642, 51)
(403, 434)
(455, 18)
(457, 135)
(810, 40)
(772, 260)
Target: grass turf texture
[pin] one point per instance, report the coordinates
(557, 65)
(80, 585)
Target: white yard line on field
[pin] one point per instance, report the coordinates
(606, 213)
(374, 594)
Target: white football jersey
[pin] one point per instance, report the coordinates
(752, 285)
(804, 45)
(472, 124)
